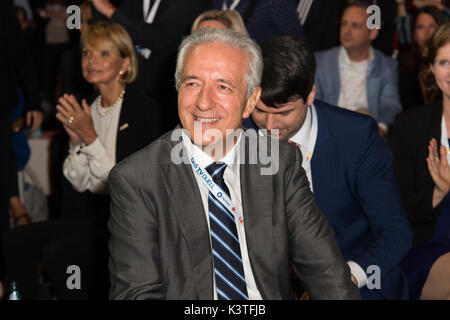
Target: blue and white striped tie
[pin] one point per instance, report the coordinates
(228, 267)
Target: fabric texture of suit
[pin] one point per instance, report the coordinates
(160, 242)
(270, 18)
(354, 186)
(358, 194)
(382, 83)
(409, 139)
(322, 24)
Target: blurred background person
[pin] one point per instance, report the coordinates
(264, 18)
(121, 120)
(224, 19)
(413, 38)
(57, 41)
(72, 81)
(420, 142)
(357, 76)
(17, 72)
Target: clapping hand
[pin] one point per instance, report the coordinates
(439, 171)
(77, 120)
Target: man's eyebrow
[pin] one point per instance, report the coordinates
(275, 110)
(188, 77)
(227, 81)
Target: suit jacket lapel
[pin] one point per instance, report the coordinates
(321, 165)
(334, 73)
(124, 118)
(257, 212)
(192, 222)
(374, 83)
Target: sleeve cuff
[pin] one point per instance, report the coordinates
(358, 273)
(384, 127)
(93, 150)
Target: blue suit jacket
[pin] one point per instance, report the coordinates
(355, 187)
(270, 18)
(382, 83)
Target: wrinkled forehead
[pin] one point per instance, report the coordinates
(217, 53)
(355, 14)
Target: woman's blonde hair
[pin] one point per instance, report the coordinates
(117, 39)
(231, 19)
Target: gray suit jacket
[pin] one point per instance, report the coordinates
(160, 246)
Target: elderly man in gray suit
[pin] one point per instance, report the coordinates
(192, 217)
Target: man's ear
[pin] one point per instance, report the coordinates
(374, 34)
(251, 102)
(311, 96)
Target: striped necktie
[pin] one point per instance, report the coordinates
(228, 267)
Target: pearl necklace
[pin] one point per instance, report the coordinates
(106, 111)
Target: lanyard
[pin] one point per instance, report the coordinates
(444, 139)
(218, 192)
(232, 7)
(151, 15)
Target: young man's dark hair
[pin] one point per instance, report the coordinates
(289, 68)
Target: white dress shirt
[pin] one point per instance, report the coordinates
(87, 166)
(307, 142)
(354, 75)
(353, 95)
(232, 180)
(306, 138)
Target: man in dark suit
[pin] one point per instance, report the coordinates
(265, 18)
(320, 21)
(156, 28)
(192, 218)
(347, 163)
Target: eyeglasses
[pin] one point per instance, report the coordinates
(442, 64)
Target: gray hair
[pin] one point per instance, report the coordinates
(231, 38)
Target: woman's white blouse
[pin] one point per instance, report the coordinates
(87, 166)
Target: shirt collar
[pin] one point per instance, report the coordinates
(302, 135)
(232, 158)
(344, 59)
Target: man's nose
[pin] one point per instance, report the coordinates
(205, 98)
(270, 122)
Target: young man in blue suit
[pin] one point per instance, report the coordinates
(347, 163)
(355, 75)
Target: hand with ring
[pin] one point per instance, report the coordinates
(76, 119)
